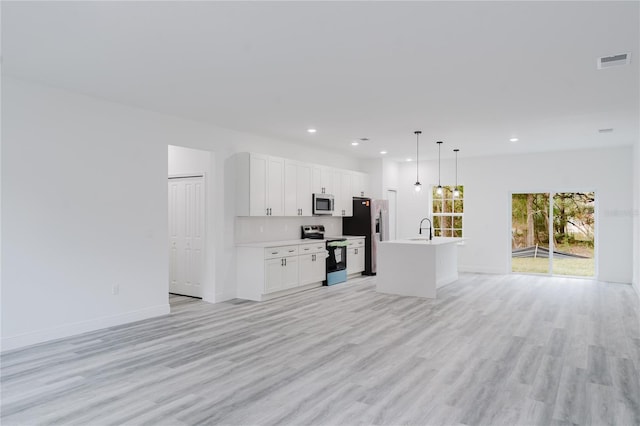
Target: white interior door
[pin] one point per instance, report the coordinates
(392, 196)
(186, 235)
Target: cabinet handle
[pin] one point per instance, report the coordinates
(274, 252)
(356, 251)
(281, 262)
(291, 251)
(285, 261)
(313, 257)
(267, 211)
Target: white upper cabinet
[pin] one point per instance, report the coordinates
(360, 184)
(259, 185)
(297, 189)
(274, 186)
(322, 180)
(343, 204)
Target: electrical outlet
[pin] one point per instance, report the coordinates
(261, 229)
(115, 289)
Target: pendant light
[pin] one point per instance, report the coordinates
(417, 185)
(439, 188)
(456, 190)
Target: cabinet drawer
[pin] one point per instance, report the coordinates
(355, 243)
(311, 248)
(272, 252)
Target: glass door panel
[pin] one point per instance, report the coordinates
(530, 233)
(573, 234)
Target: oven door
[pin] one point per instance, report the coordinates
(322, 204)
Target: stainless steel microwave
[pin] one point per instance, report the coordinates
(322, 204)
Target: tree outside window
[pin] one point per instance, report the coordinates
(447, 212)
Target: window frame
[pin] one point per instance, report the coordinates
(437, 216)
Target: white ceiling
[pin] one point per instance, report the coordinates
(472, 74)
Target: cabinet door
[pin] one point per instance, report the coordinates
(359, 255)
(360, 184)
(273, 274)
(355, 260)
(351, 261)
(322, 180)
(275, 186)
(319, 267)
(346, 192)
(258, 165)
(290, 272)
(338, 203)
(303, 190)
(291, 189)
(305, 268)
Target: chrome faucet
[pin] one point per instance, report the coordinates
(430, 228)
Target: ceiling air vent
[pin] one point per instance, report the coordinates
(614, 61)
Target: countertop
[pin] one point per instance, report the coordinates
(422, 240)
(265, 244)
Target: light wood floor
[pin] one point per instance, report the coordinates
(490, 350)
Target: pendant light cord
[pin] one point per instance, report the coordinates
(417, 132)
(456, 151)
(439, 145)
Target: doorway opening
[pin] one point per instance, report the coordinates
(186, 235)
(553, 233)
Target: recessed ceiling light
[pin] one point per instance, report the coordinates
(311, 130)
(383, 152)
(608, 130)
(355, 143)
(513, 140)
(409, 159)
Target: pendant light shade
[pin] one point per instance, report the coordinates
(439, 188)
(417, 185)
(456, 190)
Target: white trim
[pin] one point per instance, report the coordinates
(72, 329)
(222, 297)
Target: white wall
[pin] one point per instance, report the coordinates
(488, 182)
(84, 197)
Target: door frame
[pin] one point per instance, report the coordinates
(203, 264)
(551, 245)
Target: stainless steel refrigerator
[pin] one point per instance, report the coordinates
(371, 220)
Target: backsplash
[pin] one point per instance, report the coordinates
(259, 229)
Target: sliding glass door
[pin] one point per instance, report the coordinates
(553, 233)
(573, 234)
(530, 233)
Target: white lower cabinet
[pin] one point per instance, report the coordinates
(266, 272)
(280, 273)
(313, 268)
(355, 256)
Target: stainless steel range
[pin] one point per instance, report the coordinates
(337, 249)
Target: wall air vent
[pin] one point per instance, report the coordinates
(614, 61)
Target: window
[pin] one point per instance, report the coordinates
(448, 212)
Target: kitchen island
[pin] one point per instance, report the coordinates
(417, 266)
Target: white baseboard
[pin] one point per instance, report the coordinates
(66, 330)
(223, 297)
(480, 269)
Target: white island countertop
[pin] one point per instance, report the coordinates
(422, 240)
(417, 266)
